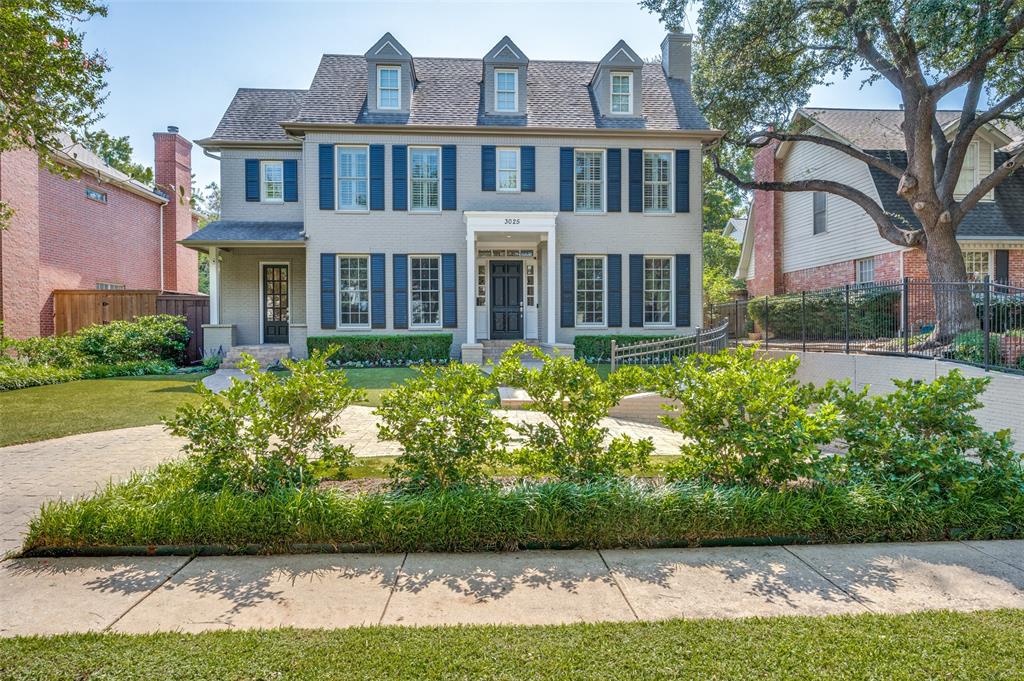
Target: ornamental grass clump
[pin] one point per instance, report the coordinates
(263, 434)
(444, 421)
(573, 446)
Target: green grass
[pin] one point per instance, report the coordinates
(375, 467)
(946, 645)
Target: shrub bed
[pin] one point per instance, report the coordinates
(598, 348)
(384, 349)
(14, 376)
(873, 313)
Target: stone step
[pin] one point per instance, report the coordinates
(265, 355)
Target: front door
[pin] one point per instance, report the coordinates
(275, 303)
(506, 300)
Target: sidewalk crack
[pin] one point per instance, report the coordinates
(618, 585)
(394, 586)
(821, 574)
(150, 592)
(989, 555)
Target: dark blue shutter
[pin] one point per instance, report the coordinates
(636, 180)
(377, 177)
(377, 291)
(614, 290)
(291, 180)
(401, 291)
(636, 290)
(682, 289)
(565, 169)
(487, 169)
(399, 175)
(328, 297)
(614, 184)
(682, 180)
(528, 167)
(448, 175)
(449, 295)
(568, 290)
(252, 179)
(326, 177)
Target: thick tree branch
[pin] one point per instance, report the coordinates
(986, 185)
(873, 161)
(1014, 25)
(965, 134)
(886, 227)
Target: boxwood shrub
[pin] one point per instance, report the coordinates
(384, 349)
(874, 313)
(598, 348)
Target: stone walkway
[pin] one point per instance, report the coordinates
(77, 465)
(40, 596)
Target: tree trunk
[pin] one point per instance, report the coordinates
(954, 307)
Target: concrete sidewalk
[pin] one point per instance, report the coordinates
(49, 596)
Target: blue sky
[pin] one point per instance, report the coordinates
(179, 63)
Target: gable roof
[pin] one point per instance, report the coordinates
(256, 113)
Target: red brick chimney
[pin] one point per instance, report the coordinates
(767, 226)
(173, 169)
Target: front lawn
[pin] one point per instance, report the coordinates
(947, 645)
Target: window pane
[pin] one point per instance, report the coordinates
(621, 94)
(425, 291)
(508, 169)
(658, 290)
(589, 290)
(353, 291)
(425, 185)
(977, 264)
(273, 181)
(505, 89)
(353, 178)
(388, 88)
(968, 172)
(589, 181)
(657, 176)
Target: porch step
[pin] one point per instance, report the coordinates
(267, 355)
(494, 349)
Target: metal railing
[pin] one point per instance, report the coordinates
(664, 351)
(889, 318)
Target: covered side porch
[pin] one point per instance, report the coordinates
(257, 275)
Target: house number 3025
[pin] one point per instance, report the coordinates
(511, 221)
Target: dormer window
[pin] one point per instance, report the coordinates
(622, 93)
(506, 90)
(389, 87)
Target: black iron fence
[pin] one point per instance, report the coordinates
(982, 322)
(664, 351)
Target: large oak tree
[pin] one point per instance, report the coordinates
(758, 60)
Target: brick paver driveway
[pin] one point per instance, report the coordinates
(77, 465)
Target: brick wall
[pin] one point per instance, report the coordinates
(767, 227)
(173, 174)
(887, 269)
(19, 244)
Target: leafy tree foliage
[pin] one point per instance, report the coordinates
(117, 153)
(723, 200)
(721, 257)
(758, 60)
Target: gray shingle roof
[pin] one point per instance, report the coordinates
(880, 128)
(247, 230)
(1001, 218)
(448, 93)
(254, 114)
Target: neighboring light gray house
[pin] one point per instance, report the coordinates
(497, 199)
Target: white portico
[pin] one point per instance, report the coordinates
(511, 260)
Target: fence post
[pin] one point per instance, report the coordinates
(736, 320)
(764, 331)
(613, 353)
(906, 316)
(697, 350)
(847, 316)
(803, 321)
(986, 326)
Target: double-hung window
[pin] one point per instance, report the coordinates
(865, 273)
(968, 178)
(389, 87)
(622, 93)
(353, 178)
(425, 179)
(658, 290)
(508, 170)
(506, 90)
(272, 181)
(425, 290)
(590, 290)
(353, 291)
(657, 181)
(820, 212)
(589, 181)
(978, 264)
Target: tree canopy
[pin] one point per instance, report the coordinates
(117, 153)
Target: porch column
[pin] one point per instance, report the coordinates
(552, 286)
(470, 285)
(214, 262)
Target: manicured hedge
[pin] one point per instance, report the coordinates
(14, 376)
(598, 348)
(873, 314)
(384, 350)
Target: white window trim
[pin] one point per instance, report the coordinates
(515, 91)
(991, 259)
(337, 293)
(440, 183)
(263, 182)
(604, 293)
(440, 291)
(381, 68)
(612, 93)
(671, 183)
(337, 179)
(604, 183)
(671, 293)
(263, 302)
(497, 170)
(825, 230)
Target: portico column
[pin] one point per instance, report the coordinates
(214, 263)
(470, 285)
(552, 285)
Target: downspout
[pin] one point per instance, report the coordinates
(162, 205)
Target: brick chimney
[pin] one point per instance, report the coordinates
(676, 55)
(767, 226)
(173, 170)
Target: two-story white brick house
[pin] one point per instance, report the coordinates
(494, 198)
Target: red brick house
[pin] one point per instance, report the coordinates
(809, 241)
(99, 229)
